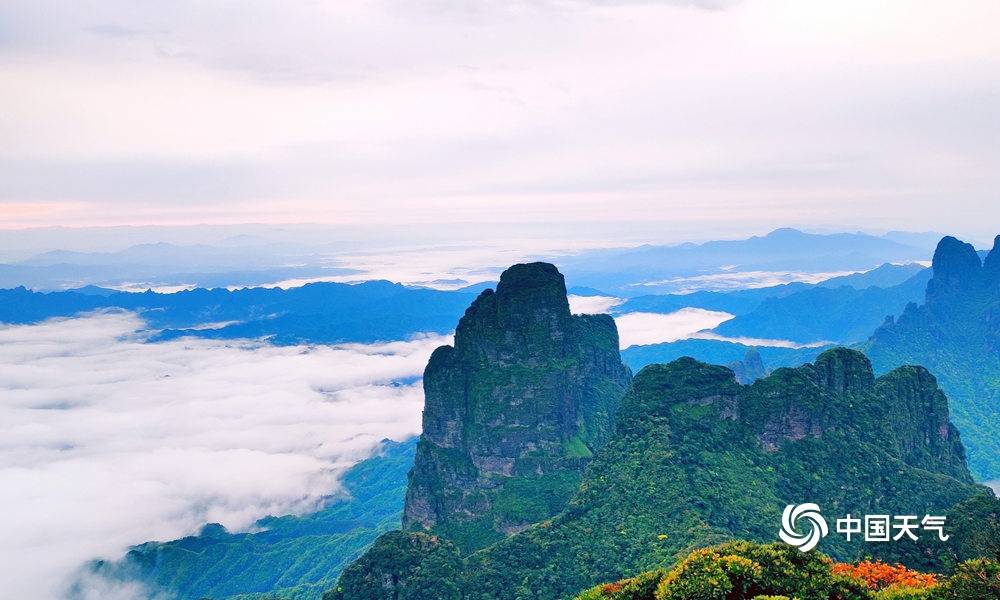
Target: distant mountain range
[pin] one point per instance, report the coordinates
(666, 269)
(314, 313)
(784, 254)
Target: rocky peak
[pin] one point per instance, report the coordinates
(526, 319)
(841, 370)
(957, 270)
(528, 392)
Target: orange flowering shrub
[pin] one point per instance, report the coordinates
(878, 575)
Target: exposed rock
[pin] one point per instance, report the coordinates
(522, 400)
(957, 269)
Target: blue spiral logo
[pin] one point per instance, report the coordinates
(808, 513)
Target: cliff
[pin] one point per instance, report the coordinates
(514, 411)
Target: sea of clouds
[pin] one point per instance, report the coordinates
(110, 441)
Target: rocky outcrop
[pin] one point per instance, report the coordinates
(843, 371)
(750, 369)
(513, 411)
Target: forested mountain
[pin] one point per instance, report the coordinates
(695, 458)
(956, 335)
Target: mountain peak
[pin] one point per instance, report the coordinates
(991, 266)
(843, 370)
(957, 268)
(785, 232)
(523, 399)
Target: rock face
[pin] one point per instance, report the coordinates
(956, 335)
(514, 411)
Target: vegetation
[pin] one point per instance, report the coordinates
(747, 571)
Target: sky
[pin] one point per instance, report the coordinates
(606, 116)
(109, 441)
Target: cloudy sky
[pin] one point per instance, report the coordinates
(674, 115)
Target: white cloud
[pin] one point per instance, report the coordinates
(751, 341)
(637, 328)
(109, 441)
(995, 485)
(640, 328)
(740, 280)
(592, 305)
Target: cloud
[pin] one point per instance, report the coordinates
(641, 328)
(752, 341)
(791, 113)
(592, 305)
(109, 441)
(739, 280)
(637, 328)
(995, 485)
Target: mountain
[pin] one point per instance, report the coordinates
(314, 313)
(291, 557)
(843, 314)
(513, 411)
(717, 352)
(956, 335)
(235, 262)
(736, 302)
(750, 369)
(697, 458)
(883, 276)
(633, 271)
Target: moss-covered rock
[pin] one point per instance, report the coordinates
(514, 411)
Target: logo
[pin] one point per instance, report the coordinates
(874, 528)
(810, 516)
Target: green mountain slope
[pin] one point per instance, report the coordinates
(956, 335)
(697, 459)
